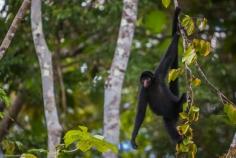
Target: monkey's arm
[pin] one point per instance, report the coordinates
(141, 110)
(175, 21)
(173, 85)
(168, 59)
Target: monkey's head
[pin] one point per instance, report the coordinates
(146, 78)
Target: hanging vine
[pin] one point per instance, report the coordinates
(194, 48)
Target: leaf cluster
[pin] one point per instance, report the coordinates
(85, 141)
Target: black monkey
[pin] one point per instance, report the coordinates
(162, 100)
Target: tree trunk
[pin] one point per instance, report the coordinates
(12, 30)
(232, 150)
(45, 61)
(114, 82)
(233, 144)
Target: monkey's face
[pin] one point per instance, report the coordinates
(146, 81)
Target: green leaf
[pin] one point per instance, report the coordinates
(189, 56)
(183, 115)
(202, 46)
(19, 145)
(192, 150)
(181, 148)
(84, 145)
(83, 128)
(185, 106)
(8, 146)
(194, 109)
(104, 146)
(183, 129)
(4, 98)
(174, 73)
(28, 156)
(194, 113)
(1, 115)
(196, 82)
(230, 111)
(188, 23)
(166, 3)
(155, 21)
(201, 23)
(85, 141)
(187, 141)
(9, 17)
(72, 136)
(195, 117)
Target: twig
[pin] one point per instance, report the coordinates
(11, 116)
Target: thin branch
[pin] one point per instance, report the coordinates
(62, 86)
(223, 98)
(59, 73)
(12, 30)
(11, 116)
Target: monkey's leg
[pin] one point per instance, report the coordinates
(170, 125)
(181, 101)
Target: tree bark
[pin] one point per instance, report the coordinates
(45, 61)
(12, 30)
(232, 149)
(233, 144)
(114, 82)
(11, 116)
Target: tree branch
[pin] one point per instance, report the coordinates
(11, 116)
(12, 30)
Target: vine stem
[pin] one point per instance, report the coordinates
(222, 97)
(188, 72)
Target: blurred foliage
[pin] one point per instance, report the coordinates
(83, 40)
(230, 110)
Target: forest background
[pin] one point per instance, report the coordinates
(82, 37)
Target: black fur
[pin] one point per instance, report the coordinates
(162, 100)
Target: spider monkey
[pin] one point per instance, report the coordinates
(162, 100)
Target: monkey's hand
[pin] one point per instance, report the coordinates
(133, 143)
